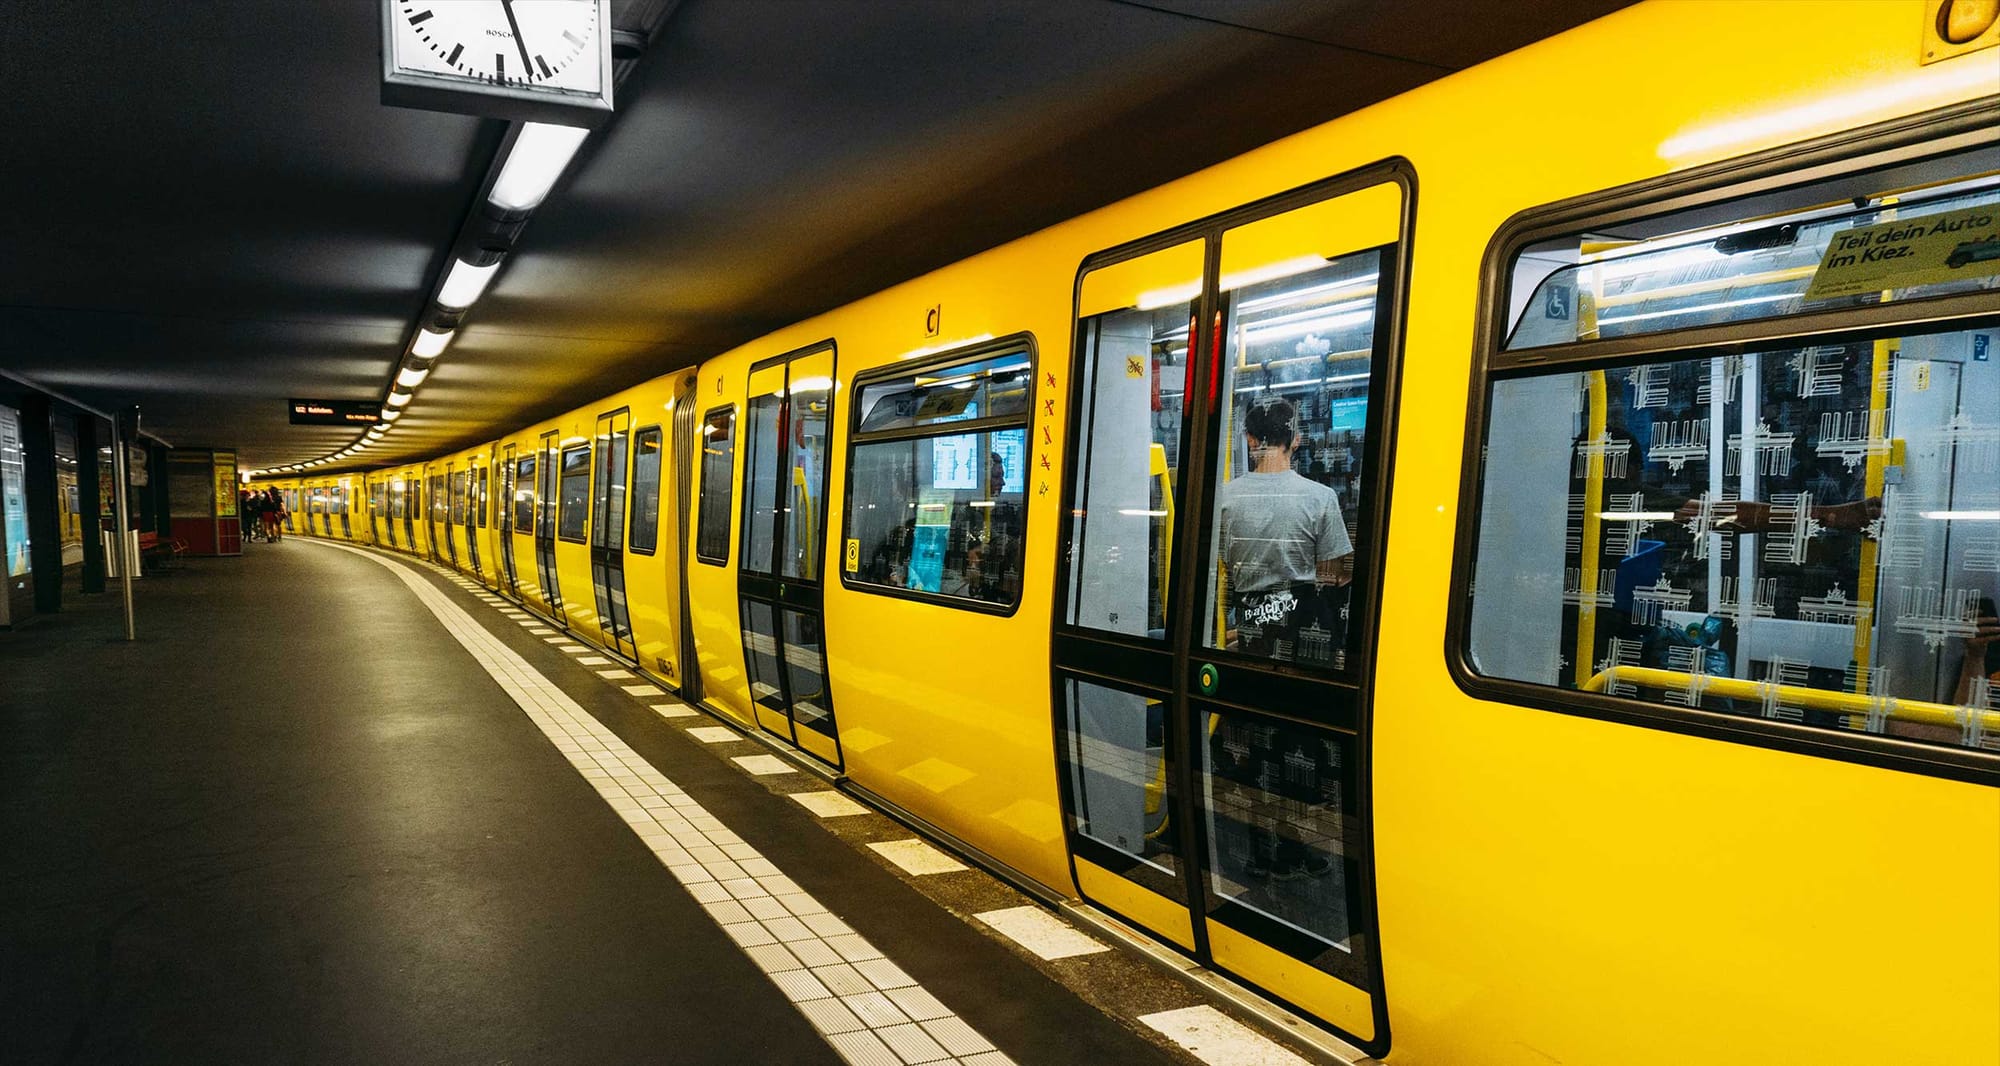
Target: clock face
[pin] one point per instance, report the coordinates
(540, 46)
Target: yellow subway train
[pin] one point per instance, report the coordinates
(1508, 573)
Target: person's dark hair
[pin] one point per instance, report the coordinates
(1271, 423)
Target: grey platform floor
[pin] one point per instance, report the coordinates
(296, 822)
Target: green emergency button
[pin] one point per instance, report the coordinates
(1209, 678)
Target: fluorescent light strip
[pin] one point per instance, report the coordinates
(430, 343)
(401, 399)
(1962, 516)
(537, 159)
(411, 376)
(464, 283)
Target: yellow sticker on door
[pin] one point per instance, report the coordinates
(1929, 250)
(853, 554)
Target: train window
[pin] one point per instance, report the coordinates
(483, 500)
(1298, 355)
(1803, 529)
(937, 500)
(573, 493)
(609, 533)
(645, 534)
(524, 496)
(718, 472)
(1135, 318)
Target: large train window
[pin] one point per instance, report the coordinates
(1740, 463)
(718, 469)
(524, 495)
(937, 475)
(573, 494)
(645, 533)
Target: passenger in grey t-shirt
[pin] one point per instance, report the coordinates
(1282, 540)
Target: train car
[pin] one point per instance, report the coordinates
(1499, 572)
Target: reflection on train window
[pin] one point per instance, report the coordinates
(1135, 371)
(1279, 808)
(574, 493)
(1297, 356)
(718, 471)
(1118, 752)
(1809, 534)
(1783, 260)
(938, 500)
(524, 495)
(810, 400)
(646, 492)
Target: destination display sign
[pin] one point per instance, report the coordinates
(335, 413)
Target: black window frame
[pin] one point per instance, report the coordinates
(525, 466)
(562, 497)
(1023, 342)
(659, 493)
(1942, 132)
(727, 503)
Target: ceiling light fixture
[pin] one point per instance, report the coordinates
(464, 283)
(401, 399)
(537, 159)
(412, 376)
(389, 414)
(430, 343)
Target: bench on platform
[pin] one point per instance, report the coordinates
(160, 552)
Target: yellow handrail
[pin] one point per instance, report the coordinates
(1818, 699)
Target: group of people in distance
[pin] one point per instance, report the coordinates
(262, 513)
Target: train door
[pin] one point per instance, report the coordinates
(1216, 591)
(607, 532)
(475, 514)
(504, 520)
(779, 594)
(346, 495)
(409, 493)
(685, 450)
(545, 524)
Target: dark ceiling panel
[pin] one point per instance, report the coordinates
(208, 238)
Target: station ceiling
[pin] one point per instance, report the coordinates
(210, 210)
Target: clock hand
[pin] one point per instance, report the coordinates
(527, 65)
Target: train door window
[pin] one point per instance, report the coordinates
(646, 491)
(764, 434)
(574, 509)
(524, 495)
(609, 501)
(809, 389)
(938, 476)
(1792, 534)
(718, 473)
(1135, 325)
(1298, 354)
(484, 503)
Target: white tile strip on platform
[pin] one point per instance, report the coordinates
(595, 660)
(828, 804)
(675, 710)
(1219, 1040)
(1040, 932)
(764, 765)
(644, 692)
(714, 734)
(915, 857)
(845, 987)
(612, 674)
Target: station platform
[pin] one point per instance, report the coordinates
(339, 806)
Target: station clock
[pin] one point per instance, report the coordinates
(538, 60)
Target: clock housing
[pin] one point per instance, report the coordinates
(532, 60)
